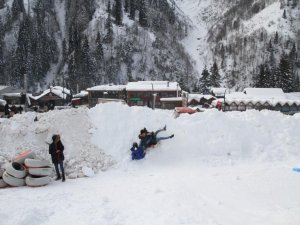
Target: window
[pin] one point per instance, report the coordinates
(242, 107)
(285, 108)
(277, 107)
(233, 107)
(249, 106)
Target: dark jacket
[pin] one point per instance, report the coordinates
(137, 153)
(148, 140)
(57, 156)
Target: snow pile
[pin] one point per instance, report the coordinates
(21, 133)
(207, 136)
(102, 136)
(220, 168)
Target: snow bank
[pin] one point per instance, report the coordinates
(201, 137)
(21, 133)
(102, 136)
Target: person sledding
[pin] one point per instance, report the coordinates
(147, 139)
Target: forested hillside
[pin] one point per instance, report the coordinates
(80, 43)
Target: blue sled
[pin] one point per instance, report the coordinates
(296, 169)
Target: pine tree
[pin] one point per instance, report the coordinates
(215, 78)
(2, 4)
(109, 34)
(118, 12)
(276, 38)
(284, 14)
(17, 8)
(286, 81)
(99, 48)
(127, 5)
(2, 63)
(204, 83)
(143, 20)
(132, 9)
(108, 9)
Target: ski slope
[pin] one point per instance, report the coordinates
(220, 168)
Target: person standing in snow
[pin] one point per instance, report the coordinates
(150, 138)
(6, 110)
(56, 149)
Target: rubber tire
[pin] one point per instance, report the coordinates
(12, 181)
(47, 171)
(2, 183)
(37, 181)
(26, 155)
(35, 163)
(1, 172)
(16, 170)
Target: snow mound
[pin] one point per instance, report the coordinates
(21, 133)
(101, 137)
(211, 136)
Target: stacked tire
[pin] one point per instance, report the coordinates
(39, 172)
(2, 182)
(26, 170)
(14, 174)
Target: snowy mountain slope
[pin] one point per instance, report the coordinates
(236, 35)
(220, 168)
(182, 37)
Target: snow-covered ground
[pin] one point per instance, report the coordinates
(220, 168)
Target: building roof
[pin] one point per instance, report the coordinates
(174, 99)
(153, 86)
(265, 92)
(81, 94)
(272, 97)
(218, 91)
(3, 87)
(57, 90)
(107, 87)
(198, 97)
(2, 102)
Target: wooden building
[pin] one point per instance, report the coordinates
(106, 93)
(260, 99)
(150, 93)
(54, 96)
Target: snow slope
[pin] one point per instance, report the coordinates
(220, 168)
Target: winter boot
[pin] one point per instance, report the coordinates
(58, 178)
(172, 136)
(63, 178)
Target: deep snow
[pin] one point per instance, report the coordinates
(220, 168)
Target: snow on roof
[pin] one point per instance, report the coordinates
(81, 94)
(2, 102)
(218, 90)
(12, 94)
(3, 87)
(198, 97)
(265, 92)
(153, 86)
(57, 90)
(107, 87)
(240, 97)
(174, 99)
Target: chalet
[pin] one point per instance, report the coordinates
(218, 92)
(171, 103)
(2, 104)
(54, 96)
(260, 99)
(12, 95)
(106, 93)
(153, 94)
(199, 99)
(80, 98)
